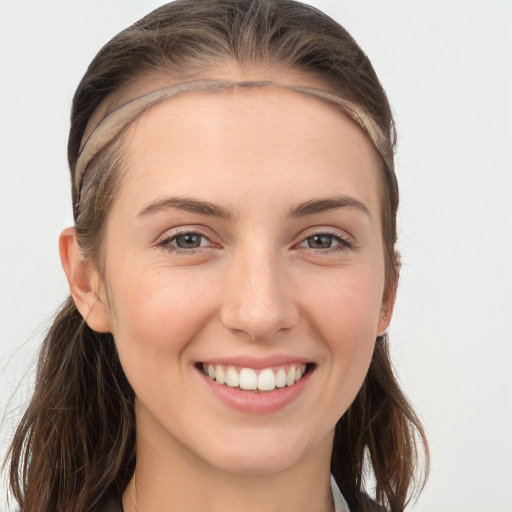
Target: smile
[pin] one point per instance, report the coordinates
(266, 379)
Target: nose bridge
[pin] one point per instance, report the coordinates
(257, 300)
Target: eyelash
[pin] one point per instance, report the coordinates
(167, 242)
(343, 243)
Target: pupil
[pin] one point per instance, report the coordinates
(188, 241)
(320, 241)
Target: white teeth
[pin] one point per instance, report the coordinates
(249, 379)
(266, 380)
(280, 378)
(220, 376)
(232, 377)
(290, 376)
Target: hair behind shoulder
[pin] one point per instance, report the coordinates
(382, 430)
(76, 441)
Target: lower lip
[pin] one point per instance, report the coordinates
(254, 402)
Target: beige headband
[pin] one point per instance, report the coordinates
(113, 123)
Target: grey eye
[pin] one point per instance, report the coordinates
(320, 241)
(188, 241)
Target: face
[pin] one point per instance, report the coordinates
(244, 250)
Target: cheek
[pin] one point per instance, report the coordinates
(348, 304)
(157, 313)
(156, 318)
(346, 316)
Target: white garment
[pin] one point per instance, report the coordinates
(340, 504)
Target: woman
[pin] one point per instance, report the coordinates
(232, 271)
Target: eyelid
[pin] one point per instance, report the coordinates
(345, 240)
(164, 240)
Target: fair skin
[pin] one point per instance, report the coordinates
(215, 254)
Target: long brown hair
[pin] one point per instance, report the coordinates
(76, 440)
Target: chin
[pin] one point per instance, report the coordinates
(253, 456)
(255, 463)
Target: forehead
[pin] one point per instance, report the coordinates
(245, 116)
(258, 143)
(224, 70)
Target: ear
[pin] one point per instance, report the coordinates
(388, 303)
(84, 283)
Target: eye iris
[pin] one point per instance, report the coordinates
(188, 241)
(320, 241)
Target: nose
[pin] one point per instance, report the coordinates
(258, 301)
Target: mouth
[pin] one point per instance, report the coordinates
(264, 380)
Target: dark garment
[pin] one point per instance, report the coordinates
(109, 504)
(371, 506)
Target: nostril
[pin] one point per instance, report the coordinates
(256, 303)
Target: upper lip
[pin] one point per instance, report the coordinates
(257, 363)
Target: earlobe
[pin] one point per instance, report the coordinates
(84, 282)
(383, 325)
(388, 304)
(386, 313)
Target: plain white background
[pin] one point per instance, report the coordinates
(446, 68)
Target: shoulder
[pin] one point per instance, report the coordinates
(369, 505)
(355, 502)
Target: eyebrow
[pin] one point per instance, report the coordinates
(325, 204)
(310, 207)
(187, 204)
